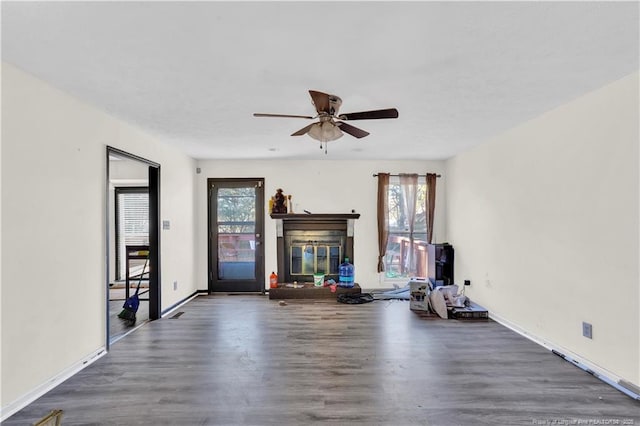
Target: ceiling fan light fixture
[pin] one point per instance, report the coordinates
(325, 131)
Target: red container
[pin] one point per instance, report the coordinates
(273, 280)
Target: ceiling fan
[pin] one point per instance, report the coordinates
(331, 124)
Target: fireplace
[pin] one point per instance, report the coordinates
(310, 252)
(313, 243)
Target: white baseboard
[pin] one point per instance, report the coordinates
(29, 397)
(601, 373)
(178, 305)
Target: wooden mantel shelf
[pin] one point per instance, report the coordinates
(314, 216)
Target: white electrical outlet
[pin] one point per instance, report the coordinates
(587, 330)
(175, 285)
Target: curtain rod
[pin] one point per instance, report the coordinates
(376, 175)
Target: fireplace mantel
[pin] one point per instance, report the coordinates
(315, 216)
(318, 225)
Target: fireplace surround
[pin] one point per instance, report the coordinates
(310, 243)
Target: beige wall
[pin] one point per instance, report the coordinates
(320, 186)
(544, 220)
(53, 229)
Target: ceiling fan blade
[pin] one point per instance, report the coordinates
(304, 130)
(259, 114)
(353, 131)
(370, 115)
(321, 101)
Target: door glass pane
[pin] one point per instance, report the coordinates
(307, 260)
(296, 260)
(322, 259)
(236, 213)
(335, 254)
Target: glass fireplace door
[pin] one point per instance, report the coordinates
(313, 253)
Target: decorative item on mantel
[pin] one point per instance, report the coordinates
(279, 202)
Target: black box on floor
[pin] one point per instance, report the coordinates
(472, 311)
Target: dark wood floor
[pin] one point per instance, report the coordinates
(246, 360)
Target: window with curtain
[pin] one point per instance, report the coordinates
(406, 248)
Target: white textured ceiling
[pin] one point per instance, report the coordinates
(192, 73)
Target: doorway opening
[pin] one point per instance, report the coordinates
(236, 223)
(133, 245)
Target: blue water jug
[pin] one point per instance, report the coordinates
(346, 274)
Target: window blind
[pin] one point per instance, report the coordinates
(132, 223)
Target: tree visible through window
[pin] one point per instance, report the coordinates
(406, 254)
